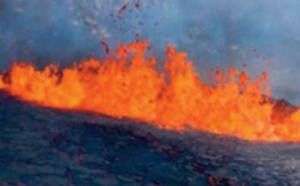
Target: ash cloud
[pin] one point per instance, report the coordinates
(214, 33)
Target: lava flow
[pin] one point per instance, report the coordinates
(128, 85)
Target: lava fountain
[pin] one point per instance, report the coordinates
(128, 85)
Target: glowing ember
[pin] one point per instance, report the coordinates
(130, 85)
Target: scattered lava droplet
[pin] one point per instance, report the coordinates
(212, 181)
(137, 4)
(122, 8)
(256, 53)
(165, 149)
(137, 37)
(106, 47)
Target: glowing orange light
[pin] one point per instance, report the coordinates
(130, 86)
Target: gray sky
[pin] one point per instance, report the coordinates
(214, 33)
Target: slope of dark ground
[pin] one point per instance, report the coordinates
(41, 146)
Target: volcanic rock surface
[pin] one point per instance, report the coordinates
(41, 146)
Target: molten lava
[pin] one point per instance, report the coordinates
(131, 86)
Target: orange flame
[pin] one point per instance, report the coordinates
(176, 98)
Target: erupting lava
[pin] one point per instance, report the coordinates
(129, 85)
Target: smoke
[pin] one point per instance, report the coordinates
(214, 33)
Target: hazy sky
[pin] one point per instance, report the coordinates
(214, 33)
